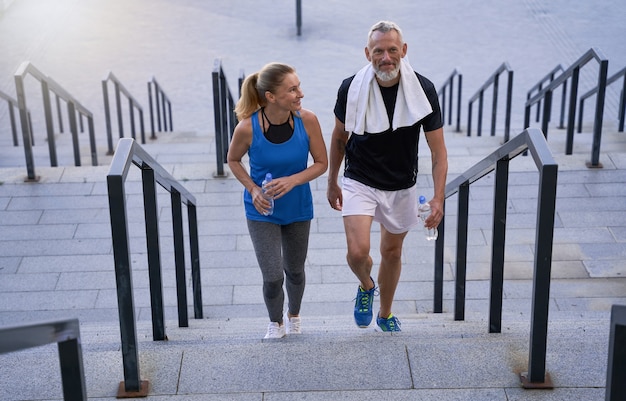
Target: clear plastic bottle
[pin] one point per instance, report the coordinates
(423, 212)
(268, 178)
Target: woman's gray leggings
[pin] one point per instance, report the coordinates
(281, 252)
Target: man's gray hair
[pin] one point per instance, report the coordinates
(384, 27)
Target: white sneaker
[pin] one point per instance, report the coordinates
(292, 324)
(274, 330)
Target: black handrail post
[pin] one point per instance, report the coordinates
(194, 248)
(438, 280)
(107, 117)
(571, 117)
(479, 119)
(118, 103)
(141, 126)
(224, 108)
(159, 101)
(45, 92)
(123, 279)
(13, 124)
(169, 112)
(59, 114)
(458, 105)
(541, 283)
(131, 114)
(509, 101)
(563, 101)
(538, 113)
(299, 16)
(616, 364)
(72, 370)
(547, 107)
(151, 107)
(469, 119)
(27, 135)
(461, 252)
(217, 112)
(92, 141)
(597, 123)
(581, 111)
(71, 114)
(151, 213)
(497, 244)
(179, 257)
(494, 104)
(622, 105)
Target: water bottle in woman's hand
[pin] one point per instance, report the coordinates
(270, 199)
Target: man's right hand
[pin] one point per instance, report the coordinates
(334, 195)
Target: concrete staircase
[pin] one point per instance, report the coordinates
(56, 248)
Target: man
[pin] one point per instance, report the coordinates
(379, 114)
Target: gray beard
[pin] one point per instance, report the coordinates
(387, 76)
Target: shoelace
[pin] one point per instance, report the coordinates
(294, 325)
(364, 298)
(392, 322)
(273, 330)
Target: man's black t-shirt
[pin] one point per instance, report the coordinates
(387, 160)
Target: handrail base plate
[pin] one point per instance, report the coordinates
(143, 391)
(527, 384)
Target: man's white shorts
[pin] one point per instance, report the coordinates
(395, 210)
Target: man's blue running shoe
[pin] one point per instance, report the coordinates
(390, 324)
(363, 306)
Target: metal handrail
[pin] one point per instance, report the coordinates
(622, 104)
(129, 152)
(224, 114)
(479, 95)
(73, 108)
(66, 333)
(532, 140)
(446, 108)
(549, 77)
(573, 72)
(132, 105)
(163, 105)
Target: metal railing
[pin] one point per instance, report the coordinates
(479, 95)
(534, 141)
(128, 152)
(163, 107)
(74, 108)
(446, 94)
(66, 333)
(132, 105)
(545, 94)
(12, 105)
(616, 369)
(549, 77)
(225, 119)
(622, 104)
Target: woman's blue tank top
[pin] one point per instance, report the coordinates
(282, 159)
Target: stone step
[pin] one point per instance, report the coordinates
(334, 359)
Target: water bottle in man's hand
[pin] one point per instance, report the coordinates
(423, 213)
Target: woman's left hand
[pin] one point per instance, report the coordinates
(278, 187)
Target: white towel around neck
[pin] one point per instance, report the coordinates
(365, 109)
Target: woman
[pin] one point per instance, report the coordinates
(278, 135)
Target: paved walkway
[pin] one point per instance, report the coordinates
(55, 245)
